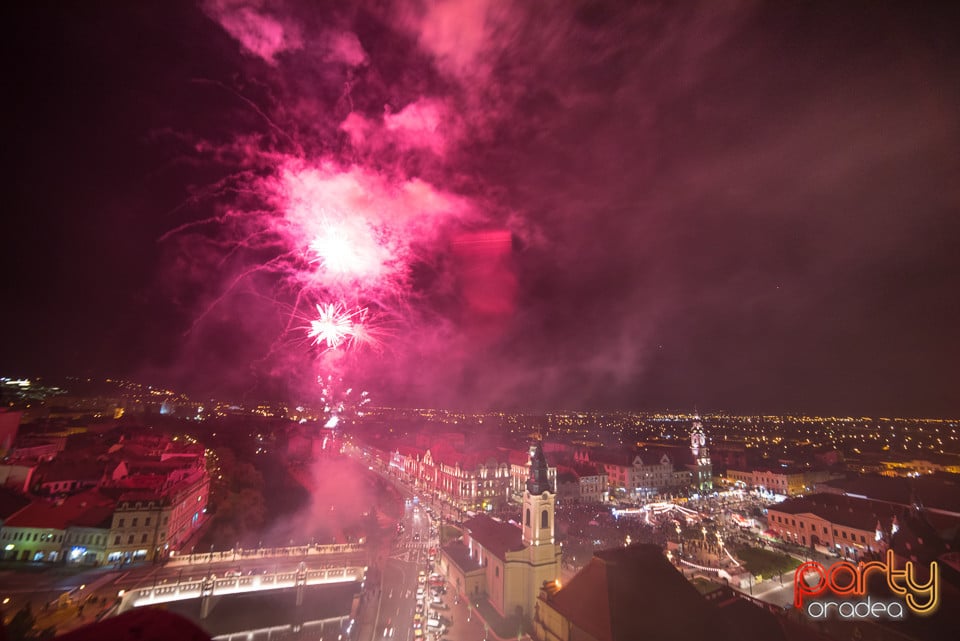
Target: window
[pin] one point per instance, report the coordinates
(143, 539)
(122, 522)
(528, 517)
(134, 524)
(146, 521)
(862, 539)
(544, 520)
(130, 540)
(844, 535)
(116, 541)
(835, 533)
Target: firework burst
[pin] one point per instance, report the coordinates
(335, 325)
(340, 404)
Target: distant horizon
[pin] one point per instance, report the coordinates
(687, 414)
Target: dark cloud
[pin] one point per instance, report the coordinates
(735, 205)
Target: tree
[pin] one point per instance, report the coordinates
(246, 476)
(21, 626)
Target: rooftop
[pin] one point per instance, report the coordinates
(625, 594)
(87, 509)
(938, 492)
(459, 555)
(842, 510)
(496, 537)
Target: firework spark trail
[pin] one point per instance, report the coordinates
(336, 325)
(340, 404)
(265, 267)
(274, 126)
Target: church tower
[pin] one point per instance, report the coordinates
(539, 499)
(703, 480)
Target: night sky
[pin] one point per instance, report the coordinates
(740, 206)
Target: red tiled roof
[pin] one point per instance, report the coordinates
(837, 508)
(87, 509)
(496, 537)
(459, 555)
(11, 502)
(626, 594)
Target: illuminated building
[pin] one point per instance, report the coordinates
(785, 481)
(701, 468)
(152, 522)
(49, 531)
(841, 524)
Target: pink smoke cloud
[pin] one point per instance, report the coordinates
(419, 125)
(463, 35)
(260, 34)
(345, 47)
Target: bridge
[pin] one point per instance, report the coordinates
(209, 587)
(239, 554)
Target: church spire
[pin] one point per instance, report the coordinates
(538, 482)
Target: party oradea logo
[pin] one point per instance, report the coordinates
(841, 590)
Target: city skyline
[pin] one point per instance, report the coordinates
(746, 208)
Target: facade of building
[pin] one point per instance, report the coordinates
(87, 544)
(472, 480)
(786, 481)
(47, 530)
(655, 470)
(148, 524)
(593, 484)
(477, 481)
(849, 527)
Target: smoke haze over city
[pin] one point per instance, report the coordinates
(734, 205)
